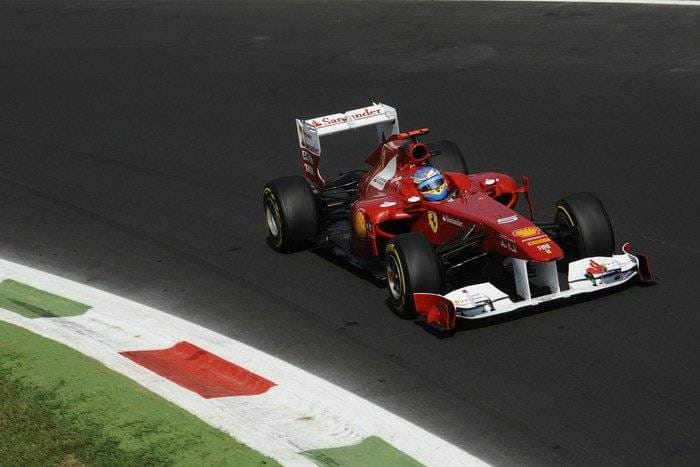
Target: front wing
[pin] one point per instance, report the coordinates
(478, 301)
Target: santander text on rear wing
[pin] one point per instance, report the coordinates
(382, 116)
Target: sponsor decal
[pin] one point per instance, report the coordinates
(379, 182)
(469, 299)
(546, 247)
(414, 199)
(308, 144)
(360, 224)
(527, 232)
(367, 112)
(433, 221)
(330, 120)
(507, 220)
(490, 181)
(308, 168)
(461, 301)
(508, 245)
(307, 156)
(539, 241)
(307, 135)
(387, 204)
(336, 119)
(311, 147)
(308, 139)
(452, 220)
(382, 177)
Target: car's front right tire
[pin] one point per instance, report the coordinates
(411, 266)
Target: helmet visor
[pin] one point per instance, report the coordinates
(431, 184)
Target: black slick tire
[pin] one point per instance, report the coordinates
(412, 266)
(589, 224)
(291, 213)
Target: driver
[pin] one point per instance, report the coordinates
(430, 183)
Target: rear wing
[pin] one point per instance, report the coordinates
(310, 131)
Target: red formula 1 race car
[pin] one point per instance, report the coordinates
(449, 243)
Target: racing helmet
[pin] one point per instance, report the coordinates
(430, 183)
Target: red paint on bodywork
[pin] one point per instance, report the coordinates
(392, 205)
(200, 371)
(437, 310)
(595, 268)
(646, 275)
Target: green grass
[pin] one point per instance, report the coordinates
(371, 452)
(58, 407)
(34, 303)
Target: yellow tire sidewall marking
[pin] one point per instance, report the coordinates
(563, 209)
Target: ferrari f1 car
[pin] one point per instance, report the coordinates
(436, 255)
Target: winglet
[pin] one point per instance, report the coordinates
(437, 310)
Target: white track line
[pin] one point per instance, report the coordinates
(302, 412)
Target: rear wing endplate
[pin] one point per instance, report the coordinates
(309, 131)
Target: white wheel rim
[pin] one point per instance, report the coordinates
(272, 224)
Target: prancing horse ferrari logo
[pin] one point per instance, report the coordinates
(433, 221)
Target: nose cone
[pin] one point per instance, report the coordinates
(537, 245)
(514, 234)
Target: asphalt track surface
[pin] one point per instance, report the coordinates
(135, 138)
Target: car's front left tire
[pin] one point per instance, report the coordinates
(412, 266)
(587, 221)
(291, 213)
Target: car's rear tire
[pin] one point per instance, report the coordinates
(450, 158)
(412, 266)
(589, 225)
(291, 213)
